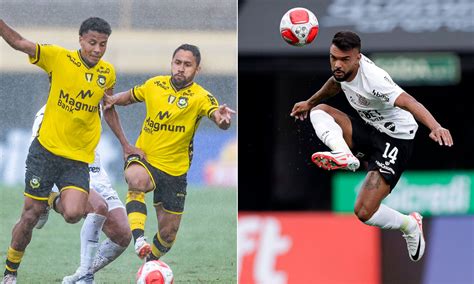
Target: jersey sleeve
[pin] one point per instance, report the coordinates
(112, 79)
(209, 105)
(384, 88)
(139, 91)
(45, 56)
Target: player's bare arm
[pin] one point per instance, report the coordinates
(223, 116)
(112, 119)
(438, 133)
(16, 41)
(121, 99)
(329, 89)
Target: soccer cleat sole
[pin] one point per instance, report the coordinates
(327, 162)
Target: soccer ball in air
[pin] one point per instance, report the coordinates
(155, 272)
(299, 26)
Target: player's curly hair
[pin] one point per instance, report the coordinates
(194, 50)
(95, 24)
(346, 40)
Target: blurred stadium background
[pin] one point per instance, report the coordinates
(144, 36)
(295, 221)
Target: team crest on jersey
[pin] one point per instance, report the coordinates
(89, 77)
(182, 102)
(101, 81)
(35, 182)
(362, 101)
(171, 99)
(390, 126)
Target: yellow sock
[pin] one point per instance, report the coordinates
(136, 211)
(13, 260)
(160, 247)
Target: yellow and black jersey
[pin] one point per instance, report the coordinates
(71, 126)
(171, 121)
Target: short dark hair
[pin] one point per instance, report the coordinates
(95, 24)
(194, 50)
(346, 40)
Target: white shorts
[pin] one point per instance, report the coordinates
(100, 182)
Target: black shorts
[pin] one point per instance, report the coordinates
(387, 155)
(168, 190)
(44, 169)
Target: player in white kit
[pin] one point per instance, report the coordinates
(95, 256)
(383, 135)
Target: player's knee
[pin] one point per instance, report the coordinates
(122, 237)
(137, 183)
(323, 107)
(137, 178)
(100, 208)
(125, 239)
(72, 216)
(363, 213)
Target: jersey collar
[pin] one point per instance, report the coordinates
(83, 61)
(176, 90)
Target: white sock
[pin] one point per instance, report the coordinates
(108, 251)
(387, 218)
(90, 239)
(328, 131)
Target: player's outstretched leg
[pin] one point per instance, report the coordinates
(332, 135)
(369, 210)
(410, 225)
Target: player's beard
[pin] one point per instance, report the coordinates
(180, 81)
(344, 76)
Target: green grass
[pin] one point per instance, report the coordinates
(205, 250)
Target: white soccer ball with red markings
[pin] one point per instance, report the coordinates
(155, 272)
(299, 26)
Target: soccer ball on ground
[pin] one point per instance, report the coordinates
(155, 272)
(299, 26)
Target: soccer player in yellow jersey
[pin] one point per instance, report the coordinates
(175, 105)
(68, 135)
